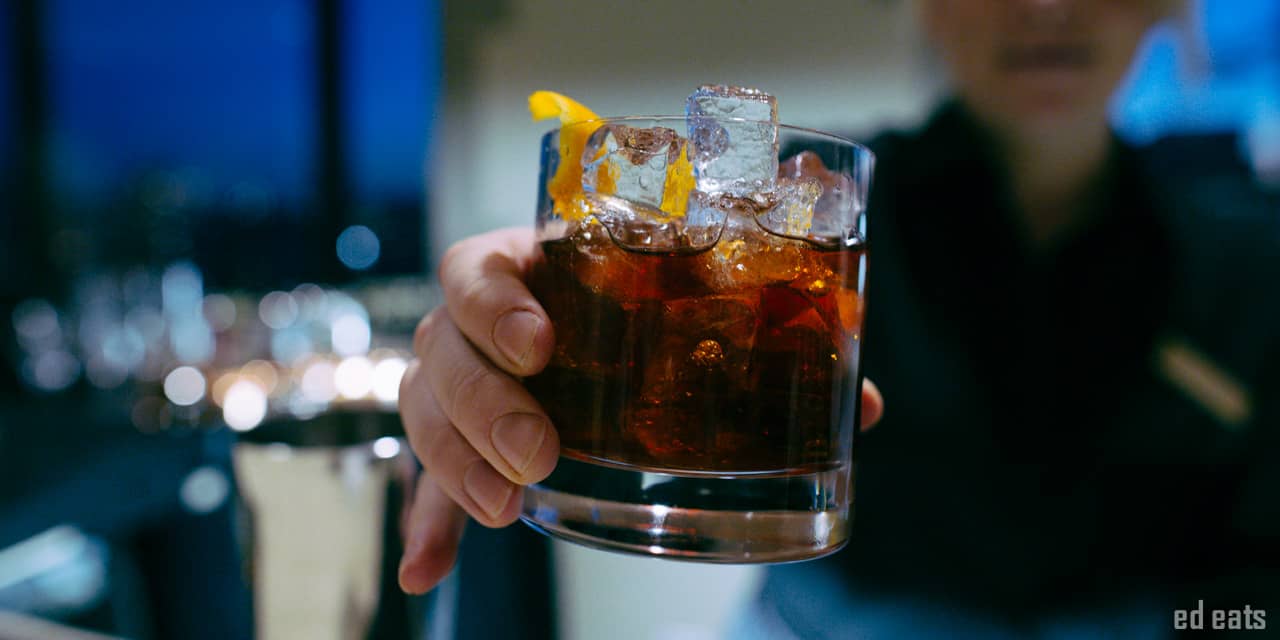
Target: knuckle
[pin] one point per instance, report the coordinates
(427, 328)
(433, 449)
(472, 294)
(407, 393)
(450, 257)
(471, 390)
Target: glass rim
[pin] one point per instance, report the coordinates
(858, 146)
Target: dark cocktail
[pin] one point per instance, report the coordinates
(707, 304)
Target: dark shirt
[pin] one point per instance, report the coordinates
(1035, 452)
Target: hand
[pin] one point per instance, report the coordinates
(479, 434)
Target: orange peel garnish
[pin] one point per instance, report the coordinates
(565, 187)
(675, 195)
(577, 124)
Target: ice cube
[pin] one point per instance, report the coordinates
(707, 209)
(630, 162)
(793, 206)
(702, 203)
(580, 285)
(800, 373)
(694, 368)
(747, 256)
(628, 276)
(728, 321)
(836, 211)
(733, 138)
(639, 227)
(696, 336)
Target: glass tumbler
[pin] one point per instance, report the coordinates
(705, 379)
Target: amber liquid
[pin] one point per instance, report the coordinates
(741, 358)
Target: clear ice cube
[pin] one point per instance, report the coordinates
(630, 162)
(711, 208)
(639, 227)
(836, 211)
(733, 139)
(793, 203)
(746, 256)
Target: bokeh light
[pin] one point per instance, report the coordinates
(245, 405)
(52, 370)
(102, 374)
(222, 384)
(312, 301)
(317, 383)
(204, 490)
(184, 386)
(386, 447)
(124, 347)
(219, 311)
(191, 340)
(147, 321)
(303, 408)
(353, 378)
(386, 379)
(288, 345)
(278, 310)
(358, 247)
(182, 289)
(35, 321)
(350, 335)
(262, 373)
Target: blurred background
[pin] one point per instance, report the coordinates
(218, 224)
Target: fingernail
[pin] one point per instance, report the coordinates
(514, 334)
(518, 436)
(489, 490)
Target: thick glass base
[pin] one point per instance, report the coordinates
(748, 518)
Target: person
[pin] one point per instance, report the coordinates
(1079, 356)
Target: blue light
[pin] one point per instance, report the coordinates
(358, 247)
(1229, 86)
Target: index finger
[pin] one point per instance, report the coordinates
(484, 287)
